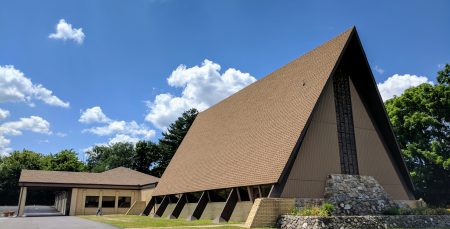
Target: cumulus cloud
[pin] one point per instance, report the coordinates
(3, 113)
(64, 31)
(123, 138)
(396, 84)
(93, 115)
(121, 129)
(16, 87)
(203, 86)
(34, 124)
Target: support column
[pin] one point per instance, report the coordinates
(22, 201)
(116, 202)
(57, 201)
(228, 209)
(64, 203)
(60, 202)
(73, 202)
(178, 208)
(83, 205)
(200, 207)
(149, 206)
(100, 199)
(162, 206)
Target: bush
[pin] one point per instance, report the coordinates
(326, 209)
(392, 211)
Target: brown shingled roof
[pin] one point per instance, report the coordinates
(119, 176)
(247, 138)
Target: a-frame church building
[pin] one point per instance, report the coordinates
(281, 136)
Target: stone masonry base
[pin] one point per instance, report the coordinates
(369, 222)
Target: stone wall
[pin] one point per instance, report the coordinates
(265, 211)
(368, 222)
(356, 195)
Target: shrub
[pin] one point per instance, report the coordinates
(326, 209)
(391, 211)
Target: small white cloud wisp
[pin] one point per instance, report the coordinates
(64, 31)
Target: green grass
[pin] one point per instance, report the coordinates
(132, 221)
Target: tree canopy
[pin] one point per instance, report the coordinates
(420, 118)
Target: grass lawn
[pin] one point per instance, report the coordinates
(133, 221)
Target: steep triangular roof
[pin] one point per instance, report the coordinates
(248, 138)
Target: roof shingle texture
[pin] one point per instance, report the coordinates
(117, 176)
(247, 138)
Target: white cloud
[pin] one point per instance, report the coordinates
(203, 86)
(121, 129)
(123, 138)
(4, 149)
(3, 113)
(93, 115)
(60, 134)
(34, 124)
(16, 87)
(379, 70)
(118, 138)
(396, 84)
(64, 31)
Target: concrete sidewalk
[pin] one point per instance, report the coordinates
(55, 222)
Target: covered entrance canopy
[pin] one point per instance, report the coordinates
(79, 193)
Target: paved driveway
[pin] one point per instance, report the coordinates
(55, 222)
(33, 210)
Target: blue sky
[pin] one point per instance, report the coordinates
(116, 74)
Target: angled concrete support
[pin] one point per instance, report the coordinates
(150, 206)
(178, 208)
(200, 207)
(228, 209)
(162, 206)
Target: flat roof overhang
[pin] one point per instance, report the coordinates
(74, 185)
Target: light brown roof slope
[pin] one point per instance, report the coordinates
(247, 138)
(118, 176)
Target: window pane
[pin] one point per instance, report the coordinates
(91, 202)
(124, 201)
(108, 201)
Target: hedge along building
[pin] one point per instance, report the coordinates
(282, 136)
(82, 193)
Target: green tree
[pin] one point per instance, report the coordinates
(102, 158)
(65, 160)
(172, 138)
(10, 169)
(147, 155)
(421, 120)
